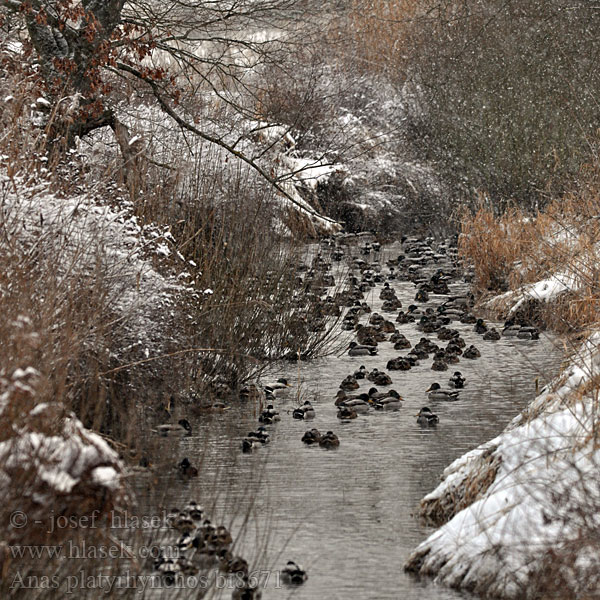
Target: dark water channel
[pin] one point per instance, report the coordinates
(349, 515)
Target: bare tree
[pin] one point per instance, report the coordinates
(187, 55)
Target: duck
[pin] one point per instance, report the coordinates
(346, 413)
(401, 363)
(439, 365)
(355, 350)
(391, 402)
(306, 411)
(426, 418)
(457, 380)
(349, 383)
(312, 436)
(528, 333)
(360, 404)
(422, 296)
(480, 327)
(435, 392)
(186, 468)
(329, 441)
(360, 373)
(293, 573)
(492, 335)
(375, 395)
(471, 352)
(379, 377)
(281, 384)
(182, 427)
(269, 415)
(228, 563)
(194, 510)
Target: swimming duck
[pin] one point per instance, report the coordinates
(269, 415)
(375, 395)
(361, 373)
(349, 383)
(306, 411)
(435, 392)
(426, 418)
(346, 413)
(379, 377)
(312, 436)
(400, 363)
(422, 296)
(387, 293)
(194, 510)
(280, 384)
(360, 404)
(439, 365)
(528, 333)
(492, 335)
(329, 441)
(404, 318)
(355, 350)
(457, 380)
(182, 427)
(391, 402)
(293, 573)
(480, 327)
(471, 352)
(228, 563)
(183, 523)
(186, 468)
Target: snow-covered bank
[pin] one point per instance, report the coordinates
(520, 512)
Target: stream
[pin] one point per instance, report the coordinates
(348, 516)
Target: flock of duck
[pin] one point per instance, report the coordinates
(373, 328)
(203, 546)
(358, 392)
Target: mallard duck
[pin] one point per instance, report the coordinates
(376, 395)
(387, 293)
(228, 563)
(355, 350)
(361, 373)
(435, 392)
(293, 573)
(183, 523)
(422, 296)
(186, 468)
(329, 441)
(457, 380)
(346, 413)
(426, 418)
(349, 383)
(360, 404)
(391, 402)
(471, 352)
(404, 318)
(401, 363)
(194, 510)
(182, 427)
(280, 384)
(528, 333)
(439, 365)
(480, 327)
(312, 436)
(492, 335)
(379, 377)
(269, 415)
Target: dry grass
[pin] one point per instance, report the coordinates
(515, 249)
(376, 36)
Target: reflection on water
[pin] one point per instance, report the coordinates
(348, 515)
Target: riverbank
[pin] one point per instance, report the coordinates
(518, 514)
